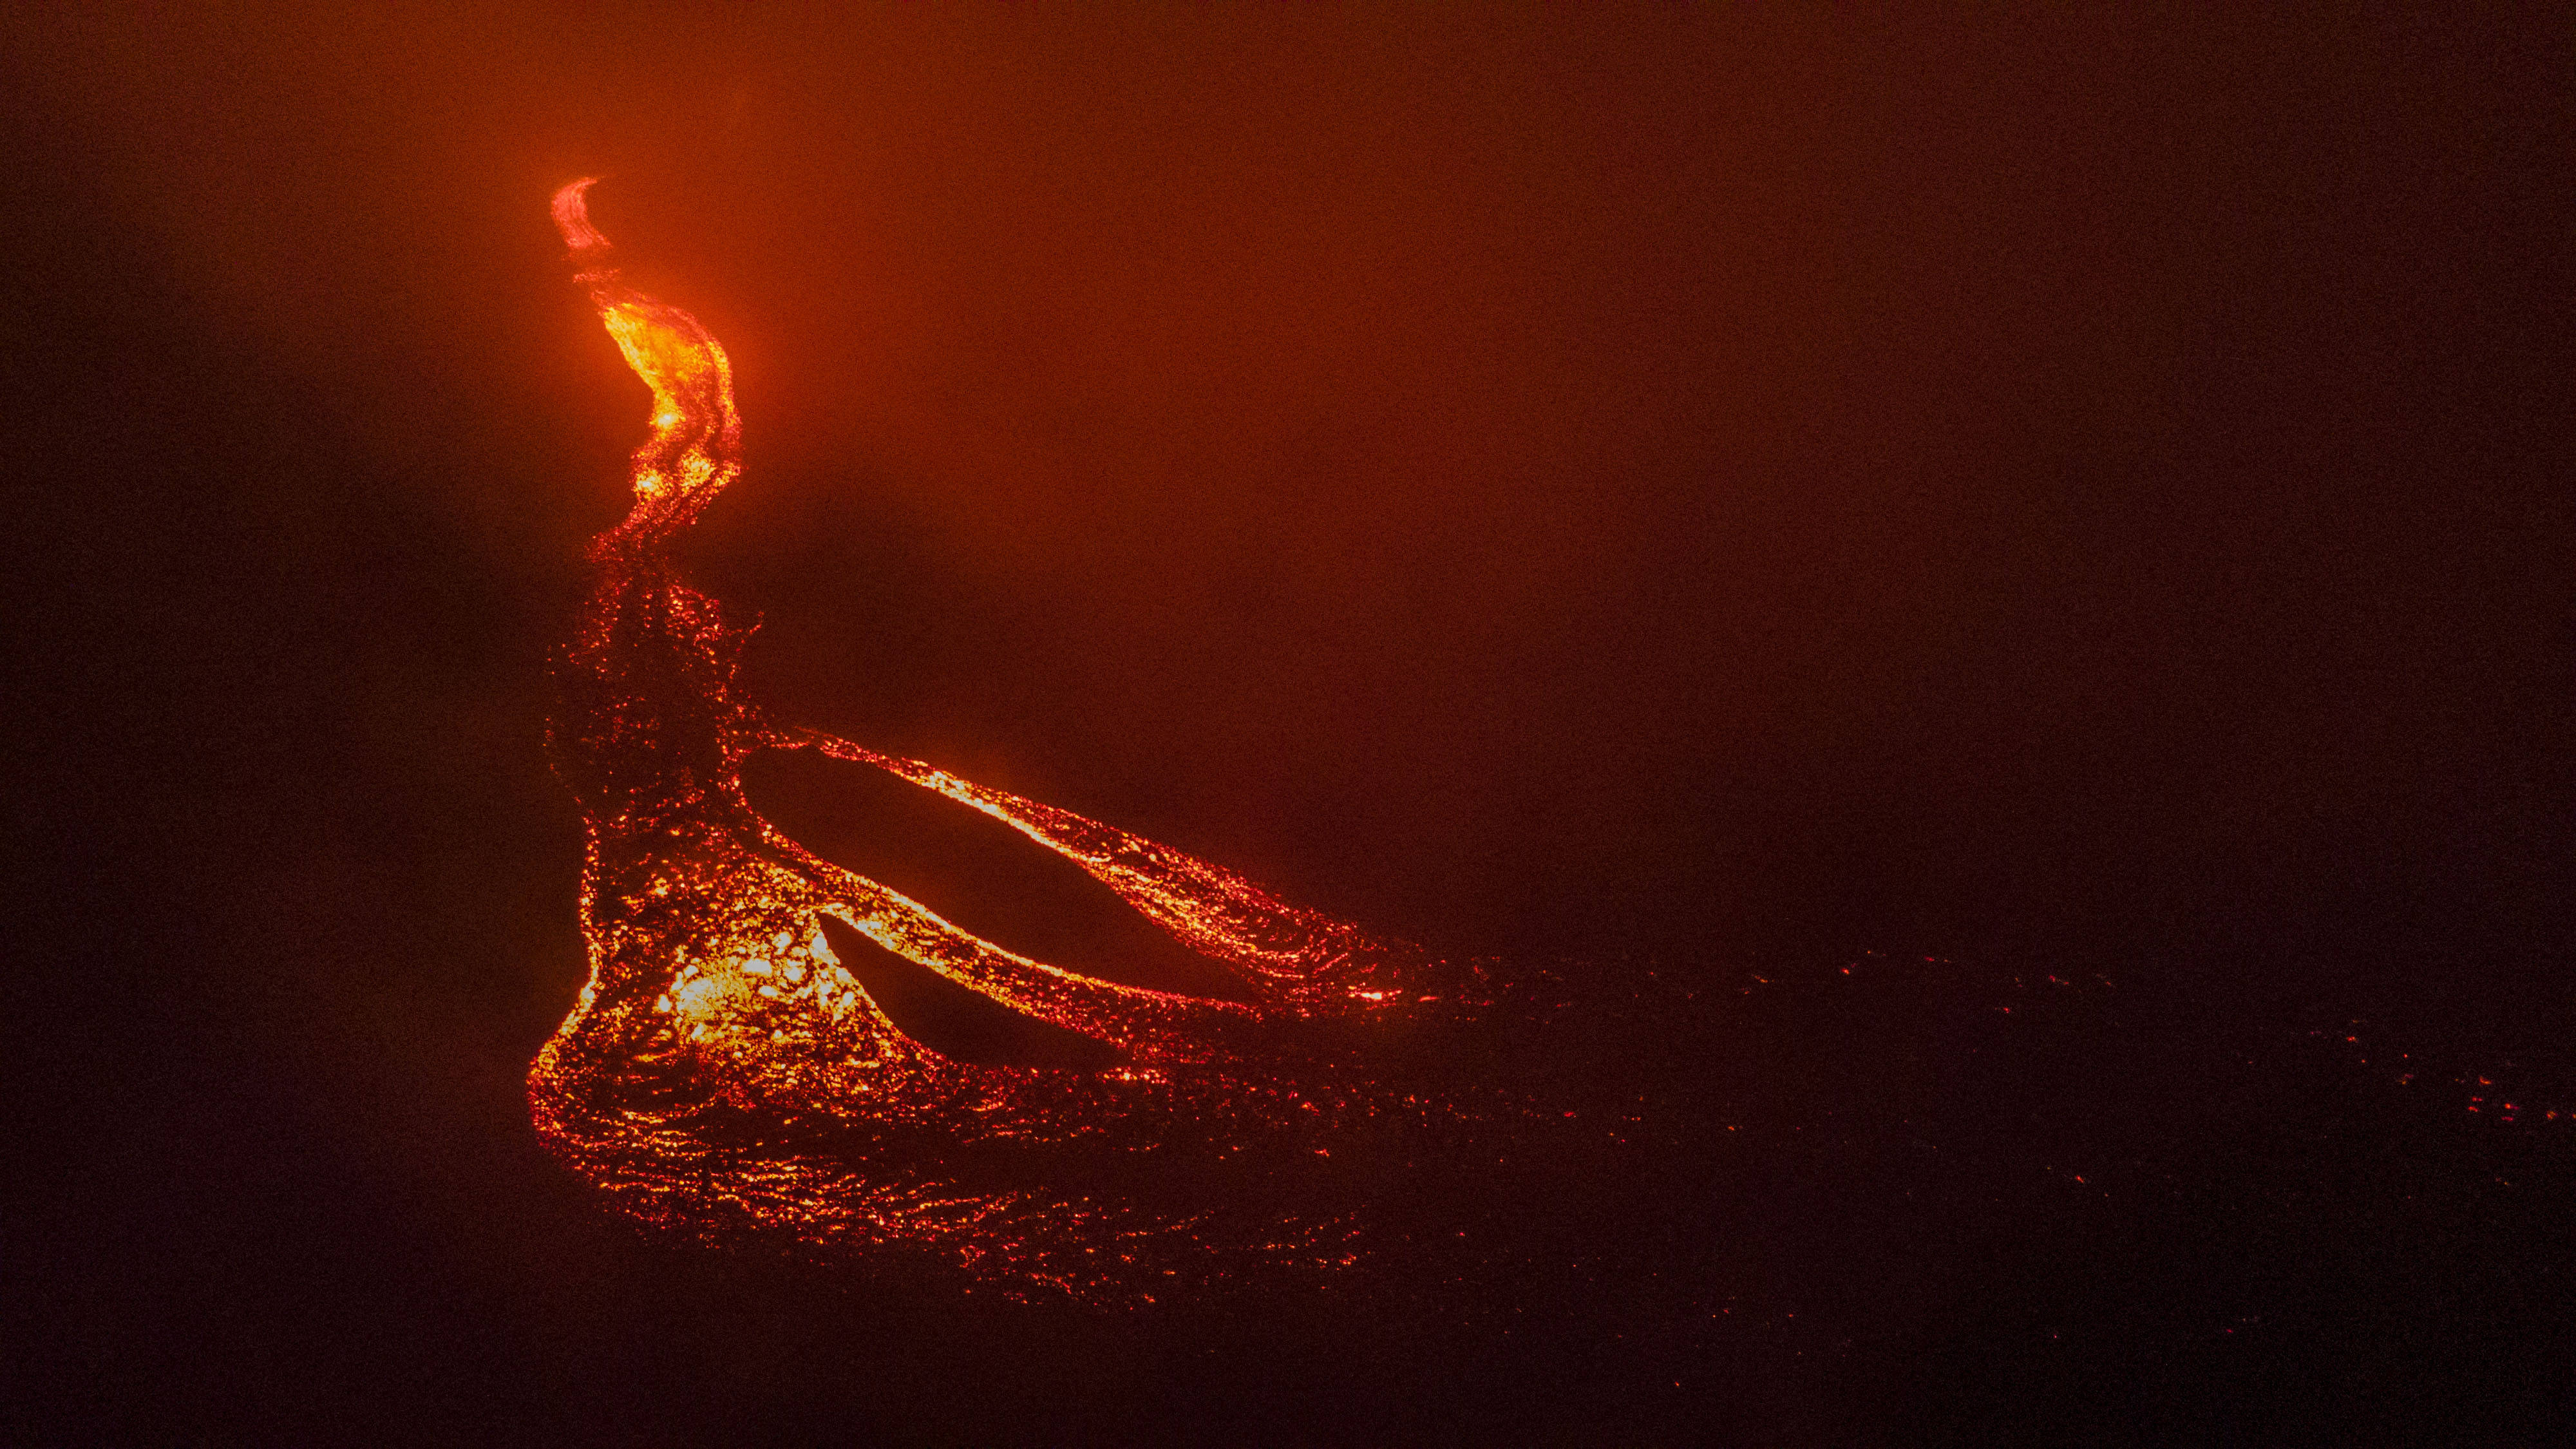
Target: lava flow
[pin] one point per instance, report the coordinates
(724, 1072)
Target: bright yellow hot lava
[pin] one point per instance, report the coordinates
(723, 1069)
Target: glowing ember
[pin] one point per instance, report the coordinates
(724, 1070)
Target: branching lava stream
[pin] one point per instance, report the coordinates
(725, 1074)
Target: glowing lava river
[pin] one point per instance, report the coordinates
(725, 1074)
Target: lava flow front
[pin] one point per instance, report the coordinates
(725, 1073)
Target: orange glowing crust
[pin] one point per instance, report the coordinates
(723, 1066)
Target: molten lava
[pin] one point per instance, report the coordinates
(725, 1072)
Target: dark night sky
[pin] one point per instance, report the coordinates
(2033, 489)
